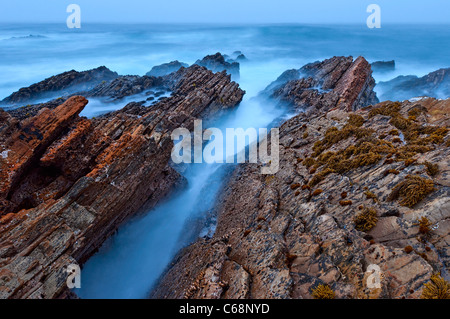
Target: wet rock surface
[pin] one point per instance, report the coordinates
(68, 182)
(337, 205)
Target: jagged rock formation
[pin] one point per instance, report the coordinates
(64, 84)
(68, 182)
(354, 189)
(124, 86)
(337, 82)
(217, 63)
(435, 84)
(111, 90)
(383, 66)
(103, 83)
(166, 68)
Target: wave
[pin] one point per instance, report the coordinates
(26, 37)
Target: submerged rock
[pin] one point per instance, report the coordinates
(30, 36)
(241, 57)
(237, 56)
(383, 66)
(68, 182)
(435, 84)
(124, 86)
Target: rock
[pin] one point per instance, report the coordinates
(237, 56)
(282, 238)
(124, 86)
(62, 84)
(26, 142)
(67, 183)
(286, 76)
(338, 82)
(241, 57)
(217, 63)
(383, 66)
(166, 68)
(31, 110)
(435, 84)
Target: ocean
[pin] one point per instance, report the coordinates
(33, 52)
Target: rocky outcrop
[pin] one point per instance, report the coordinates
(383, 66)
(62, 84)
(125, 86)
(338, 82)
(357, 187)
(137, 88)
(332, 210)
(435, 84)
(217, 63)
(166, 68)
(68, 182)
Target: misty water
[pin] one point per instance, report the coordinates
(130, 262)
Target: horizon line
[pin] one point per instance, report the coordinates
(226, 23)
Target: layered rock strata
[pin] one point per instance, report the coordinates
(68, 182)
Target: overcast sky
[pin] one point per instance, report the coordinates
(227, 11)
